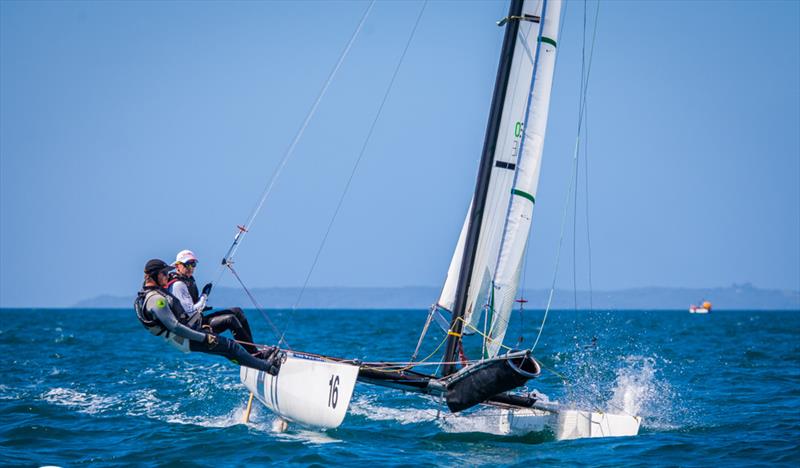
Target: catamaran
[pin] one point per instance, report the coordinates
(482, 282)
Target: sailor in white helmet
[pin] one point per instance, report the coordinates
(183, 286)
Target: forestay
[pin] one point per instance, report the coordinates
(513, 182)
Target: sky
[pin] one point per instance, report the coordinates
(132, 130)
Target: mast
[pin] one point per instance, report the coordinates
(481, 187)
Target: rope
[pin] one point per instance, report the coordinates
(290, 151)
(395, 365)
(424, 332)
(256, 304)
(409, 365)
(483, 335)
(355, 167)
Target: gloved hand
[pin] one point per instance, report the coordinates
(212, 340)
(207, 289)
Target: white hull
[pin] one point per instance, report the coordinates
(562, 424)
(574, 424)
(307, 390)
(698, 310)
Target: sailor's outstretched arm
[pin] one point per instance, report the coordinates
(160, 308)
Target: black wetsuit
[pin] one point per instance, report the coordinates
(232, 319)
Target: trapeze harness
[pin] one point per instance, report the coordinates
(153, 325)
(190, 283)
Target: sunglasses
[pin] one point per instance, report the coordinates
(191, 264)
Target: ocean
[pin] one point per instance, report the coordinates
(92, 387)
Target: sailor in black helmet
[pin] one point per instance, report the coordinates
(162, 315)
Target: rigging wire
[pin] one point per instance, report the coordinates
(290, 151)
(586, 153)
(582, 108)
(576, 167)
(256, 304)
(424, 332)
(586, 195)
(353, 172)
(227, 260)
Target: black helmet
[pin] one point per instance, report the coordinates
(153, 267)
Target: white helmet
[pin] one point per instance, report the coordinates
(185, 256)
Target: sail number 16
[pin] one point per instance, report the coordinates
(333, 392)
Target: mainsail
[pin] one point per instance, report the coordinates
(485, 269)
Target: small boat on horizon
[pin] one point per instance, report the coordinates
(701, 309)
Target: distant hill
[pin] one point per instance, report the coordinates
(743, 296)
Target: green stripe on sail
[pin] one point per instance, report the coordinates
(547, 40)
(523, 195)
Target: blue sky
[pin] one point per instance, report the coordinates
(131, 130)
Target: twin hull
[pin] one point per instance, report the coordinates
(315, 392)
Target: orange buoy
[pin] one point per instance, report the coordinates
(707, 305)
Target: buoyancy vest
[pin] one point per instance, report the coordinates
(190, 283)
(151, 322)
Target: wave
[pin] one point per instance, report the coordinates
(366, 406)
(87, 403)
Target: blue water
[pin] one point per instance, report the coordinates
(93, 387)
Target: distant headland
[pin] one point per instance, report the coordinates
(734, 297)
